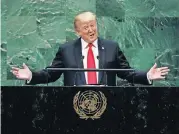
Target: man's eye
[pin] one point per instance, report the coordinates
(85, 28)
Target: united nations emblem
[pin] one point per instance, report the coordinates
(89, 104)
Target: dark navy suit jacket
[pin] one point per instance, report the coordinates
(69, 55)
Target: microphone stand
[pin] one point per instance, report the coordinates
(81, 60)
(104, 72)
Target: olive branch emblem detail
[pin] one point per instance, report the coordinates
(89, 104)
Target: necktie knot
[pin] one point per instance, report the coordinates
(90, 45)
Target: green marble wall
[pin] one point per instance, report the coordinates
(146, 30)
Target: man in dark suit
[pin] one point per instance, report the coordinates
(89, 51)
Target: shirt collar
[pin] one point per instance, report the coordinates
(85, 44)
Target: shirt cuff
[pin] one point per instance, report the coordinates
(28, 81)
(150, 81)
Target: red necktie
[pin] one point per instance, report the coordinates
(92, 79)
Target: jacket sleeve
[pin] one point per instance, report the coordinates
(47, 76)
(138, 77)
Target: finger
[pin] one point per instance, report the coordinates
(154, 66)
(17, 76)
(163, 68)
(167, 70)
(162, 77)
(15, 73)
(164, 73)
(15, 69)
(24, 66)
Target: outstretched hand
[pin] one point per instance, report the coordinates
(158, 73)
(22, 73)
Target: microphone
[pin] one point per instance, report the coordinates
(81, 60)
(97, 57)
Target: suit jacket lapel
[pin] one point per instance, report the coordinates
(79, 60)
(101, 50)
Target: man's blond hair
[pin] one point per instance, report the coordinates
(84, 16)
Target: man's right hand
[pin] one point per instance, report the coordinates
(22, 73)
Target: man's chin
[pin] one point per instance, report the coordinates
(92, 40)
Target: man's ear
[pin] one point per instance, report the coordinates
(77, 31)
(77, 34)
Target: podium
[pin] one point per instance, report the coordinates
(89, 110)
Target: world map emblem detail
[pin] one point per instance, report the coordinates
(89, 104)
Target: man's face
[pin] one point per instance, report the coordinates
(87, 30)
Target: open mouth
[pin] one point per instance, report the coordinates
(91, 35)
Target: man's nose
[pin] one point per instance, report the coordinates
(90, 29)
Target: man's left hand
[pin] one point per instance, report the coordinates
(157, 73)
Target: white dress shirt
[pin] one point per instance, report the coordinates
(84, 46)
